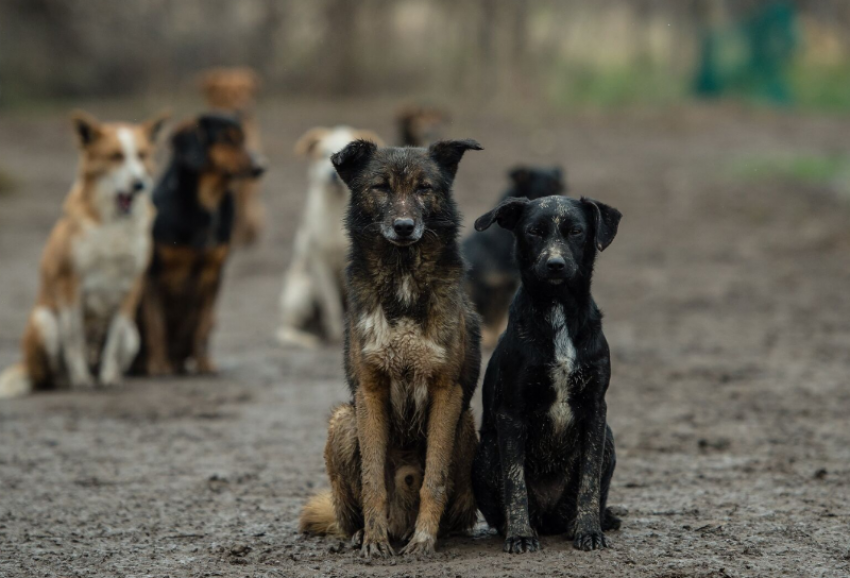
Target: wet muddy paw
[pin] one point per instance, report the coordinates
(376, 549)
(421, 546)
(520, 544)
(590, 540)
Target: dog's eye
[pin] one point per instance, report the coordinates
(143, 155)
(423, 189)
(535, 231)
(383, 187)
(117, 157)
(576, 231)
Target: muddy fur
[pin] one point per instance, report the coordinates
(546, 456)
(493, 276)
(192, 234)
(398, 456)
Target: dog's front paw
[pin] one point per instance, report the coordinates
(206, 366)
(159, 368)
(376, 548)
(520, 544)
(82, 380)
(590, 539)
(422, 545)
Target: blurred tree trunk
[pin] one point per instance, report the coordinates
(339, 56)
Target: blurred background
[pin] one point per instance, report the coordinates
(560, 52)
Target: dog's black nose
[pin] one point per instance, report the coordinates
(556, 264)
(138, 186)
(403, 227)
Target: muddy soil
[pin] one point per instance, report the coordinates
(727, 308)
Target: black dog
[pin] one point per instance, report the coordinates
(546, 456)
(192, 231)
(493, 277)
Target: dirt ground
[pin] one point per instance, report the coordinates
(727, 308)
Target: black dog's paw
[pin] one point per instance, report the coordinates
(520, 544)
(588, 540)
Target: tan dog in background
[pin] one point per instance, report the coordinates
(234, 90)
(93, 265)
(312, 300)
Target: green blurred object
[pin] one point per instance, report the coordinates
(752, 57)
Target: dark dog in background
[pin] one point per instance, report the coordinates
(546, 456)
(234, 91)
(493, 277)
(399, 455)
(419, 126)
(192, 231)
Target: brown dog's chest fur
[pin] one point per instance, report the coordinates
(410, 330)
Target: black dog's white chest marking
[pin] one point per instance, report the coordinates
(562, 368)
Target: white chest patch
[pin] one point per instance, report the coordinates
(405, 353)
(562, 369)
(109, 257)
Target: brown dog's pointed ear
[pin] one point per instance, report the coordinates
(306, 145)
(153, 126)
(507, 214)
(447, 153)
(349, 162)
(607, 220)
(519, 176)
(86, 126)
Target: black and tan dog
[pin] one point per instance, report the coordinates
(493, 275)
(398, 456)
(546, 456)
(192, 231)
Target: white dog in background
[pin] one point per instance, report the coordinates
(312, 300)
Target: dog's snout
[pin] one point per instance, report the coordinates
(403, 227)
(258, 166)
(556, 264)
(138, 185)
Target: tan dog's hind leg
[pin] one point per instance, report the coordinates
(373, 432)
(330, 300)
(446, 402)
(296, 306)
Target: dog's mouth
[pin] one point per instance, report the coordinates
(125, 202)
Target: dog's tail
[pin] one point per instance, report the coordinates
(15, 382)
(318, 516)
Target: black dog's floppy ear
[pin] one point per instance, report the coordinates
(350, 161)
(188, 146)
(447, 153)
(607, 219)
(507, 214)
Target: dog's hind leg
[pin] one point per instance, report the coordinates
(609, 520)
(486, 481)
(72, 333)
(338, 512)
(296, 307)
(330, 300)
(155, 331)
(461, 512)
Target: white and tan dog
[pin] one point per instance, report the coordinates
(312, 300)
(92, 267)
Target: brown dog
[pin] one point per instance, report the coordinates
(419, 126)
(234, 90)
(93, 265)
(192, 232)
(398, 456)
